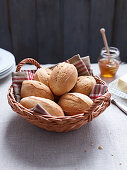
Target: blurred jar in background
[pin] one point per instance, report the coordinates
(109, 63)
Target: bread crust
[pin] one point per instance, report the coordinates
(43, 75)
(75, 103)
(50, 106)
(63, 78)
(35, 88)
(84, 85)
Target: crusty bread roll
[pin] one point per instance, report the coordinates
(43, 75)
(50, 106)
(35, 88)
(63, 78)
(84, 85)
(75, 103)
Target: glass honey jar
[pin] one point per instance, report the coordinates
(109, 63)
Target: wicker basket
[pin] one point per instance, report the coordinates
(58, 124)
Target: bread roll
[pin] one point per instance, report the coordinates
(63, 78)
(43, 75)
(35, 88)
(75, 103)
(84, 85)
(50, 106)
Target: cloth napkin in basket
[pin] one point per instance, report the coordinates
(83, 67)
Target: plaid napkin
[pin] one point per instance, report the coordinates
(83, 67)
(97, 91)
(80, 65)
(86, 60)
(18, 78)
(39, 109)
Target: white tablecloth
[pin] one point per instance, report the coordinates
(24, 146)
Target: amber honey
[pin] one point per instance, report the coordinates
(108, 67)
(109, 63)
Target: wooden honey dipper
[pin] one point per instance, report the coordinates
(109, 69)
(102, 30)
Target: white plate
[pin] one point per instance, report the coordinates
(6, 60)
(8, 72)
(113, 89)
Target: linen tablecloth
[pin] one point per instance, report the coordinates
(24, 146)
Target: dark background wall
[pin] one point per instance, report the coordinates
(53, 30)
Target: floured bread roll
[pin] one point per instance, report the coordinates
(84, 85)
(43, 75)
(35, 88)
(50, 106)
(63, 78)
(75, 103)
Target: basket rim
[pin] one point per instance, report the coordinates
(97, 102)
(17, 107)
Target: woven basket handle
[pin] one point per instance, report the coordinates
(25, 61)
